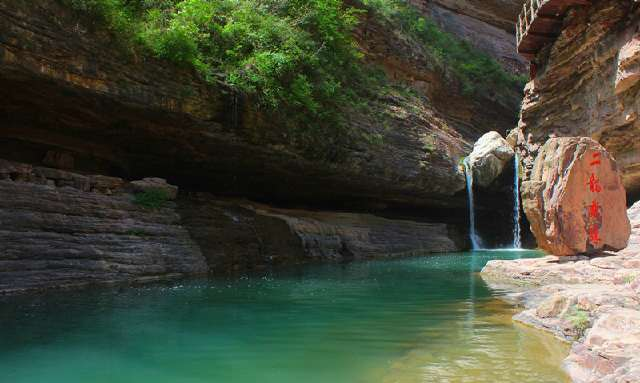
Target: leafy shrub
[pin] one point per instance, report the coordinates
(295, 58)
(151, 198)
(579, 320)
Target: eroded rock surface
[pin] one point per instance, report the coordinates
(593, 301)
(68, 87)
(586, 85)
(153, 183)
(64, 229)
(488, 25)
(574, 198)
(491, 153)
(238, 235)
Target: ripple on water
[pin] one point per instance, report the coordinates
(426, 319)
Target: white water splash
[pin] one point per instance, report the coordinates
(516, 204)
(468, 174)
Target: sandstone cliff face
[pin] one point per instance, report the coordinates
(75, 99)
(63, 229)
(240, 235)
(66, 85)
(487, 25)
(586, 86)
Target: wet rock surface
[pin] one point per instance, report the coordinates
(574, 198)
(593, 301)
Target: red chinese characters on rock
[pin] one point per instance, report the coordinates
(594, 184)
(595, 209)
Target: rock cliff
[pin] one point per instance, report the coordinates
(586, 86)
(61, 229)
(239, 235)
(66, 85)
(487, 25)
(75, 100)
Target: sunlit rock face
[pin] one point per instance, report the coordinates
(575, 200)
(491, 153)
(628, 74)
(488, 25)
(587, 85)
(590, 300)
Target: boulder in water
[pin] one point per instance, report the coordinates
(490, 155)
(575, 200)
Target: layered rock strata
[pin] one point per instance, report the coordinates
(69, 87)
(488, 25)
(574, 198)
(586, 85)
(59, 229)
(239, 235)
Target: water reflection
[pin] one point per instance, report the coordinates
(428, 319)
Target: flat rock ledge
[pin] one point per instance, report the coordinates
(64, 229)
(590, 301)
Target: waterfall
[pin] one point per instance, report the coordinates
(516, 204)
(472, 215)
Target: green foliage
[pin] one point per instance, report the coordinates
(291, 58)
(151, 198)
(296, 56)
(429, 143)
(477, 73)
(579, 320)
(629, 279)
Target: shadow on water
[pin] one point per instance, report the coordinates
(423, 319)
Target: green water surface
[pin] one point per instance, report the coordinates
(425, 319)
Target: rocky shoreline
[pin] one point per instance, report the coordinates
(591, 301)
(61, 228)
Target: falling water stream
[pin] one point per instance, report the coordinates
(475, 242)
(516, 204)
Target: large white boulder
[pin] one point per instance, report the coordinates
(491, 153)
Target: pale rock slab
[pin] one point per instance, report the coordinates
(490, 155)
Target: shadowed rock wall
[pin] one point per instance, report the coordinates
(62, 229)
